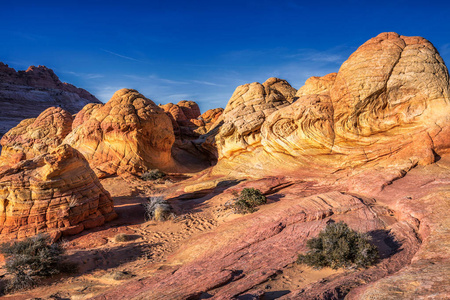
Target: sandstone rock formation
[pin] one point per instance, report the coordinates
(317, 85)
(184, 116)
(33, 137)
(187, 121)
(247, 110)
(388, 104)
(54, 192)
(210, 119)
(25, 94)
(128, 134)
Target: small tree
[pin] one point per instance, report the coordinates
(339, 246)
(248, 200)
(33, 257)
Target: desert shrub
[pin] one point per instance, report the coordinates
(339, 246)
(154, 174)
(122, 237)
(248, 200)
(156, 208)
(30, 259)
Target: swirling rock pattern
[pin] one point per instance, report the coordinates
(247, 110)
(387, 105)
(55, 192)
(36, 136)
(128, 134)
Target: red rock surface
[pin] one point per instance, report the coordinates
(55, 192)
(246, 252)
(25, 94)
(33, 137)
(129, 134)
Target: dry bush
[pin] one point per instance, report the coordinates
(158, 209)
(29, 259)
(339, 246)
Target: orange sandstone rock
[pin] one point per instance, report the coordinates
(36, 136)
(52, 192)
(247, 110)
(128, 134)
(387, 106)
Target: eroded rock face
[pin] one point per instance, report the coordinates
(185, 118)
(390, 95)
(128, 134)
(33, 137)
(25, 94)
(387, 105)
(246, 112)
(54, 192)
(317, 85)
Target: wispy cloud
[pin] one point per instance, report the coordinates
(85, 75)
(120, 55)
(206, 83)
(155, 78)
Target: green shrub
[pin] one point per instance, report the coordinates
(153, 175)
(248, 200)
(31, 258)
(339, 246)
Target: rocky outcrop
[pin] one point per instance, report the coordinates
(33, 137)
(55, 192)
(246, 112)
(25, 94)
(317, 85)
(387, 105)
(187, 122)
(128, 134)
(210, 119)
(185, 118)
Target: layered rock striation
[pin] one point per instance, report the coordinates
(387, 105)
(55, 192)
(127, 134)
(25, 94)
(247, 111)
(36, 136)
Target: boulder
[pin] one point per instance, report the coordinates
(53, 192)
(247, 110)
(129, 134)
(36, 136)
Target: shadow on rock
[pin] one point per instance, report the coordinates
(386, 242)
(113, 257)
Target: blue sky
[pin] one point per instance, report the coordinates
(202, 50)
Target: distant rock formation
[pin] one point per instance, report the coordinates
(36, 136)
(387, 105)
(185, 118)
(129, 133)
(25, 94)
(55, 192)
(187, 121)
